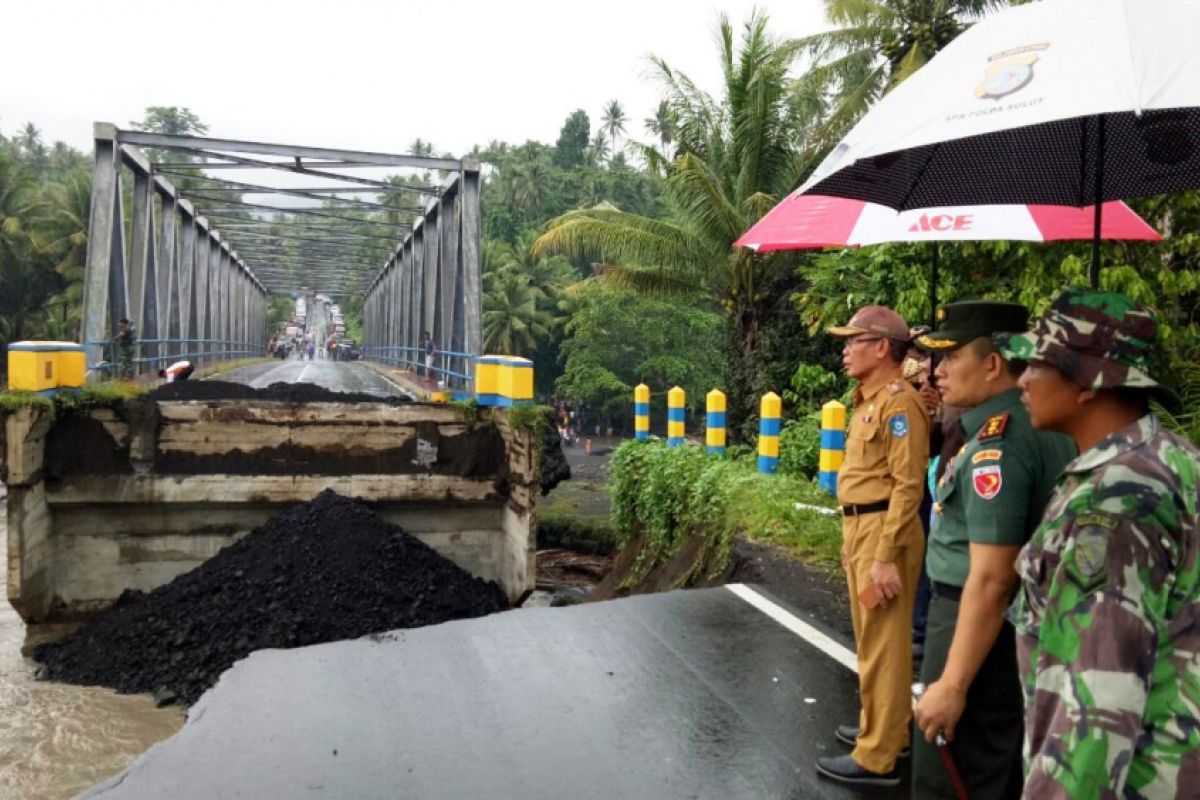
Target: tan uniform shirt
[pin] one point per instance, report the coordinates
(887, 455)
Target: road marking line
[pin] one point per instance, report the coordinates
(835, 650)
(301, 378)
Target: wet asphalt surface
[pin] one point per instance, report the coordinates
(338, 376)
(692, 694)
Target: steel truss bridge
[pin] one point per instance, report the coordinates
(190, 256)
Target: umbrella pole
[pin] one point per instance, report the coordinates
(1094, 272)
(933, 284)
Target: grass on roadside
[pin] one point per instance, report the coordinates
(668, 495)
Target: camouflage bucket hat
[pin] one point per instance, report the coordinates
(1098, 340)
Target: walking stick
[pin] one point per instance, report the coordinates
(943, 748)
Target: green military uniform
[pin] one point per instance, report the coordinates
(993, 491)
(1108, 615)
(125, 341)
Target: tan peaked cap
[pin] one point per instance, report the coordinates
(879, 320)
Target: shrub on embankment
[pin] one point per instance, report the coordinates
(677, 512)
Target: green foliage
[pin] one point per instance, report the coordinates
(800, 446)
(15, 401)
(573, 532)
(616, 340)
(67, 402)
(811, 386)
(534, 419)
(671, 494)
(570, 151)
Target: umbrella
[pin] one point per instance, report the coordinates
(805, 221)
(1063, 102)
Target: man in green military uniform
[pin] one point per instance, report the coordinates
(989, 501)
(124, 341)
(1108, 613)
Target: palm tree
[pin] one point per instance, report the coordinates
(735, 159)
(877, 45)
(662, 125)
(512, 322)
(612, 121)
(597, 149)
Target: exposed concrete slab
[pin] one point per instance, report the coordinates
(110, 499)
(685, 695)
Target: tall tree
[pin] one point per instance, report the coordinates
(662, 125)
(571, 148)
(736, 160)
(512, 321)
(613, 121)
(172, 120)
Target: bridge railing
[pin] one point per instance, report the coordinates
(413, 358)
(150, 353)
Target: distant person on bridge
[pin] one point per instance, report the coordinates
(124, 343)
(429, 351)
(880, 487)
(179, 371)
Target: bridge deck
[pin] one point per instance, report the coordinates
(693, 694)
(338, 376)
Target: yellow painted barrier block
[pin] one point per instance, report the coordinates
(32, 366)
(516, 379)
(72, 365)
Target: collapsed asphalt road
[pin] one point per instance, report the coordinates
(692, 694)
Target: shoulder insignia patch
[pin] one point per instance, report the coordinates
(1088, 565)
(899, 426)
(1097, 518)
(994, 427)
(988, 481)
(987, 455)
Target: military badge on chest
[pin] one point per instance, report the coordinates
(988, 480)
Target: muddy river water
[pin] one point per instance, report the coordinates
(57, 740)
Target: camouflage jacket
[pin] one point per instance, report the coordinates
(1108, 624)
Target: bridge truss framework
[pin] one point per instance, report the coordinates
(192, 261)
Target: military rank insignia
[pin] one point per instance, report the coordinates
(994, 427)
(988, 481)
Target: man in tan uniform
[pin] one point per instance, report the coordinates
(880, 487)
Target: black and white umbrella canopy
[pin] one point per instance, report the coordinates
(1065, 102)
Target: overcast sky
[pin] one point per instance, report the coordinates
(357, 74)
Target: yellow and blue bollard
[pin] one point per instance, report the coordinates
(641, 412)
(675, 402)
(769, 424)
(833, 445)
(715, 430)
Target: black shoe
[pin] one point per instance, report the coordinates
(846, 770)
(848, 734)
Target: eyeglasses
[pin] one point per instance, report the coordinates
(861, 339)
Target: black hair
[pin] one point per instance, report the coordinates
(897, 349)
(984, 347)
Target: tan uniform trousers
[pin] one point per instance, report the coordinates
(884, 640)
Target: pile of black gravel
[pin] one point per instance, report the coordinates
(283, 392)
(326, 570)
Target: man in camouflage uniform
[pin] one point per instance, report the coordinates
(124, 342)
(1108, 614)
